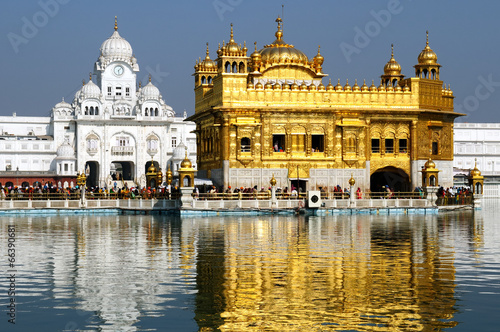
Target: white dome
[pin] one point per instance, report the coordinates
(62, 104)
(77, 95)
(65, 150)
(150, 91)
(179, 152)
(116, 47)
(90, 90)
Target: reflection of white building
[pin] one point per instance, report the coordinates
(478, 142)
(112, 128)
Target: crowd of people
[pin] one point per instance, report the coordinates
(51, 191)
(448, 196)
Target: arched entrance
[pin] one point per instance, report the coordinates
(395, 178)
(92, 173)
(122, 170)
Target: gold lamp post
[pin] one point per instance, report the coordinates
(352, 182)
(274, 201)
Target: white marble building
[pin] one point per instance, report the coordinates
(478, 142)
(112, 128)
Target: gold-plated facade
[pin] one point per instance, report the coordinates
(271, 113)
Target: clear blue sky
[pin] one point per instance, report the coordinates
(42, 65)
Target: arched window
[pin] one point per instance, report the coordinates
(86, 110)
(235, 67)
(209, 79)
(25, 184)
(242, 67)
(245, 144)
(91, 110)
(203, 80)
(156, 111)
(96, 110)
(186, 181)
(227, 67)
(146, 111)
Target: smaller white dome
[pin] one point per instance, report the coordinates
(62, 104)
(90, 90)
(179, 152)
(150, 91)
(66, 151)
(116, 47)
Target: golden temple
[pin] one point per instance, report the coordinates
(270, 113)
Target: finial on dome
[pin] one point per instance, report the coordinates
(232, 39)
(116, 23)
(90, 77)
(149, 78)
(279, 33)
(140, 84)
(83, 82)
(208, 52)
(427, 37)
(255, 44)
(392, 50)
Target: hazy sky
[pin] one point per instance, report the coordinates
(49, 46)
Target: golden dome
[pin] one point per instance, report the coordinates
(256, 58)
(312, 87)
(475, 172)
(364, 87)
(186, 163)
(259, 86)
(207, 61)
(321, 87)
(347, 87)
(427, 56)
(373, 88)
(356, 87)
(207, 64)
(231, 48)
(273, 181)
(429, 164)
(392, 67)
(280, 52)
(381, 87)
(338, 87)
(352, 182)
(330, 86)
(268, 86)
(319, 59)
(152, 168)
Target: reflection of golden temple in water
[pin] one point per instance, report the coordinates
(316, 275)
(270, 113)
(364, 273)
